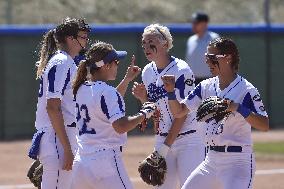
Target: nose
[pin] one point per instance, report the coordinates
(146, 46)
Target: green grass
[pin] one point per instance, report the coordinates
(269, 148)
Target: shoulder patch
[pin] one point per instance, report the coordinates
(261, 108)
(256, 98)
(189, 82)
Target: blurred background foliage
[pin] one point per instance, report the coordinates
(119, 11)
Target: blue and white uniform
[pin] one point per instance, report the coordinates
(55, 82)
(187, 152)
(230, 162)
(98, 162)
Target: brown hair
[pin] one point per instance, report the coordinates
(96, 53)
(69, 27)
(227, 46)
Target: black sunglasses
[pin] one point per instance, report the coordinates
(214, 57)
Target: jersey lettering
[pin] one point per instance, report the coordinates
(86, 119)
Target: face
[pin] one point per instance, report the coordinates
(83, 39)
(153, 47)
(76, 44)
(199, 27)
(112, 69)
(215, 60)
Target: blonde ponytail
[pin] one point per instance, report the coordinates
(48, 48)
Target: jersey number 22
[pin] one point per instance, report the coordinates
(86, 119)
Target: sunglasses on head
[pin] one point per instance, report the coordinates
(214, 57)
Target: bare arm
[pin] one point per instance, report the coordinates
(127, 123)
(55, 115)
(174, 130)
(257, 121)
(122, 86)
(177, 109)
(131, 73)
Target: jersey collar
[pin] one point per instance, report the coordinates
(223, 93)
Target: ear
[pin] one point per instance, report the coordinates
(229, 58)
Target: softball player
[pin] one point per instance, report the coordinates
(230, 162)
(55, 140)
(101, 120)
(178, 140)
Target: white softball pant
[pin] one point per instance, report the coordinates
(100, 170)
(182, 159)
(223, 170)
(51, 156)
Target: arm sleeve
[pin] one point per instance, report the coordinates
(184, 84)
(112, 105)
(57, 78)
(193, 100)
(252, 101)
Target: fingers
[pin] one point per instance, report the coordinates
(168, 78)
(67, 166)
(132, 61)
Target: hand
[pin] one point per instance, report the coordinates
(68, 160)
(156, 120)
(132, 71)
(232, 106)
(140, 92)
(169, 82)
(148, 109)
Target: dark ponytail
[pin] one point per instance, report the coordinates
(96, 53)
(227, 46)
(81, 76)
(48, 48)
(69, 27)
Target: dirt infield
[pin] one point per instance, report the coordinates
(14, 162)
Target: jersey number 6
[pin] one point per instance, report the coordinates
(84, 129)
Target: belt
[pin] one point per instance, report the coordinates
(104, 149)
(180, 134)
(226, 148)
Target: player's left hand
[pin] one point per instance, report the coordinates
(132, 71)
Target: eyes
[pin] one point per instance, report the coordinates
(146, 42)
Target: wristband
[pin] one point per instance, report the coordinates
(163, 150)
(171, 95)
(244, 111)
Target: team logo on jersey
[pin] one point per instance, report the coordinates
(262, 108)
(189, 82)
(256, 98)
(156, 92)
